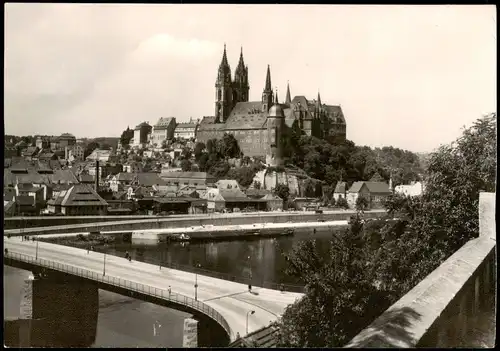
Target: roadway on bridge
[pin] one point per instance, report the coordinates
(232, 300)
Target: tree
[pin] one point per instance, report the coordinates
(244, 175)
(90, 148)
(126, 136)
(342, 203)
(257, 185)
(164, 144)
(186, 165)
(309, 188)
(186, 153)
(198, 150)
(228, 146)
(283, 191)
(340, 292)
(361, 203)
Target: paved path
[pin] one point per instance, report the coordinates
(232, 300)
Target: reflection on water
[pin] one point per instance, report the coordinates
(262, 259)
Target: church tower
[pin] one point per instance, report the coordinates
(240, 86)
(223, 90)
(288, 100)
(275, 129)
(267, 94)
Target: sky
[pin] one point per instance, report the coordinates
(407, 76)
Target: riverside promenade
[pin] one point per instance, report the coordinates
(197, 220)
(231, 300)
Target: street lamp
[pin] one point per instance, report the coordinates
(196, 282)
(36, 253)
(104, 268)
(248, 314)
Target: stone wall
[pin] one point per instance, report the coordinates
(127, 226)
(29, 222)
(454, 306)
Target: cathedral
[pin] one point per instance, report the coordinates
(252, 122)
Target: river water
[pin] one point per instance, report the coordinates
(127, 322)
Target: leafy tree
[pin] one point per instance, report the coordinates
(244, 175)
(186, 153)
(212, 146)
(198, 150)
(361, 203)
(126, 136)
(283, 191)
(90, 148)
(164, 144)
(342, 203)
(186, 165)
(309, 188)
(257, 185)
(228, 146)
(340, 295)
(202, 162)
(219, 169)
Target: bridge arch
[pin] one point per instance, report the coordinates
(202, 312)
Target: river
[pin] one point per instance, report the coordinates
(127, 322)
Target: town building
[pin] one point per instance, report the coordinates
(247, 121)
(186, 130)
(163, 131)
(80, 199)
(132, 167)
(374, 192)
(42, 143)
(188, 178)
(413, 189)
(340, 191)
(142, 134)
(66, 139)
(74, 152)
(31, 153)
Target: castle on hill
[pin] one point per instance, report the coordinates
(258, 125)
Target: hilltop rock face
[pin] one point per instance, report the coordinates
(269, 179)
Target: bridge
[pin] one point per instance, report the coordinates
(227, 303)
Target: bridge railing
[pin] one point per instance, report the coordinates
(214, 274)
(123, 283)
(237, 279)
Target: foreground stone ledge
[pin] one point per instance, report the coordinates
(410, 319)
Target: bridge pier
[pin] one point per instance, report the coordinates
(56, 311)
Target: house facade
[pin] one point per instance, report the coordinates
(374, 192)
(163, 130)
(186, 130)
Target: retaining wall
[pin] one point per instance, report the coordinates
(216, 220)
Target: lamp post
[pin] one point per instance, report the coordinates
(248, 314)
(36, 252)
(104, 268)
(196, 282)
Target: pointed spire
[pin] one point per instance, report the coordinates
(276, 97)
(288, 100)
(224, 56)
(319, 99)
(268, 80)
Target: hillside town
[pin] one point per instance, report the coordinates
(54, 178)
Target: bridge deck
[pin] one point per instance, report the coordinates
(231, 300)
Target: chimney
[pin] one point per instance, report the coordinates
(97, 175)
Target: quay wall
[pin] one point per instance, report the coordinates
(183, 222)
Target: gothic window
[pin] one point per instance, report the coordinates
(219, 95)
